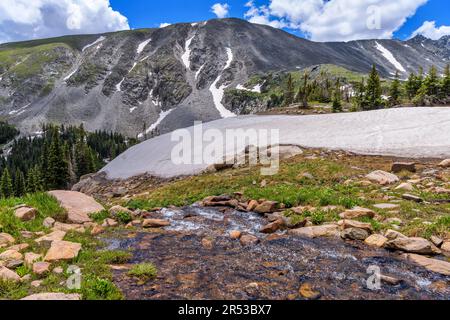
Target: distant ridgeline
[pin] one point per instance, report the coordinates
(55, 159)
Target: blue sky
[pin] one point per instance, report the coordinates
(145, 14)
(318, 20)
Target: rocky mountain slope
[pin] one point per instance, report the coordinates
(138, 81)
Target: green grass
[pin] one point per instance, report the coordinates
(13, 290)
(144, 271)
(92, 260)
(46, 205)
(124, 217)
(28, 61)
(100, 216)
(286, 187)
(75, 42)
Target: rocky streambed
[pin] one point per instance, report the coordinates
(198, 259)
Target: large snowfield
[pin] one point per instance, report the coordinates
(406, 132)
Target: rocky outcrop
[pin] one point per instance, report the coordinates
(78, 205)
(6, 239)
(382, 177)
(357, 212)
(8, 275)
(376, 240)
(123, 80)
(62, 250)
(413, 245)
(155, 223)
(25, 213)
(330, 230)
(398, 167)
(445, 163)
(434, 265)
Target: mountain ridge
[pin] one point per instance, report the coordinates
(167, 78)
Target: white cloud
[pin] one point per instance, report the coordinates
(33, 19)
(164, 24)
(221, 10)
(261, 15)
(337, 20)
(429, 30)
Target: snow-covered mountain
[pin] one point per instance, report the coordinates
(136, 81)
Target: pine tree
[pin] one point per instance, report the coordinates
(359, 99)
(57, 164)
(45, 164)
(305, 91)
(289, 91)
(30, 187)
(19, 184)
(445, 86)
(337, 105)
(394, 91)
(373, 90)
(6, 185)
(82, 158)
(410, 86)
(431, 83)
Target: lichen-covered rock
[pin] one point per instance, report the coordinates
(356, 213)
(329, 230)
(9, 255)
(155, 223)
(8, 275)
(6, 239)
(26, 213)
(382, 177)
(249, 240)
(266, 207)
(434, 265)
(376, 240)
(62, 250)
(78, 205)
(355, 234)
(413, 245)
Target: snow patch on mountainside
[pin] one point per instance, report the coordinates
(218, 93)
(119, 85)
(142, 46)
(199, 71)
(256, 89)
(186, 57)
(93, 43)
(390, 57)
(161, 117)
(403, 132)
(70, 74)
(19, 111)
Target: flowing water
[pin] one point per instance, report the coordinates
(273, 269)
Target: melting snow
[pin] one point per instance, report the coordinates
(162, 116)
(134, 65)
(391, 132)
(93, 43)
(119, 85)
(186, 57)
(142, 46)
(19, 111)
(390, 57)
(219, 92)
(70, 74)
(256, 88)
(198, 71)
